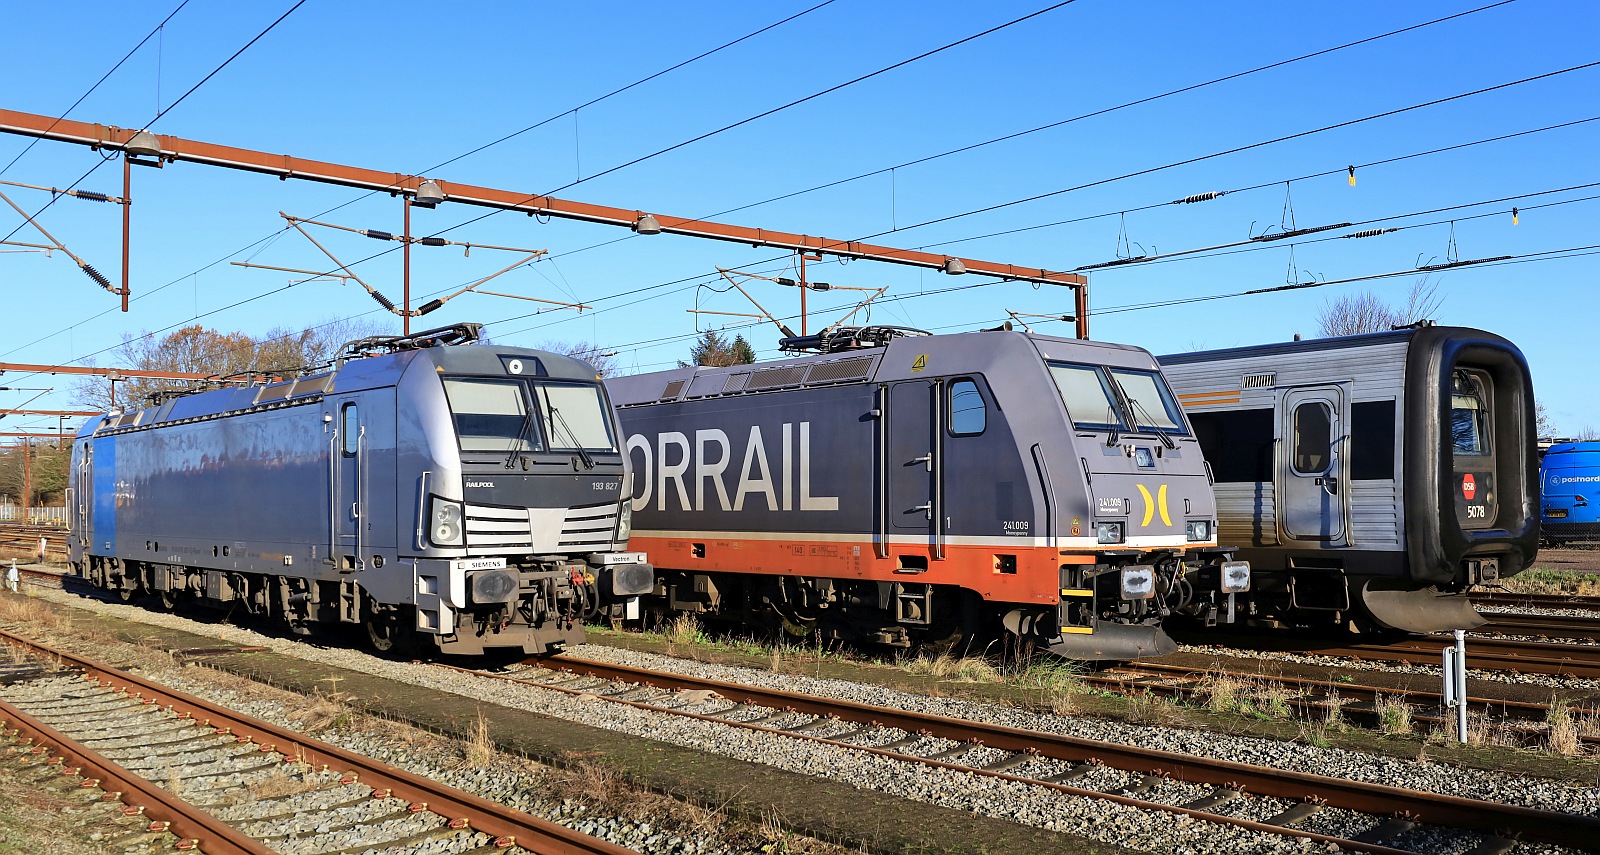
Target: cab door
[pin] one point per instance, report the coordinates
(911, 454)
(349, 496)
(1313, 495)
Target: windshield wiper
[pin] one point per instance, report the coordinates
(1113, 418)
(1139, 408)
(555, 415)
(522, 432)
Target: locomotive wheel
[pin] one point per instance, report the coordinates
(166, 600)
(387, 633)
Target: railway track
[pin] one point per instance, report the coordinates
(1537, 601)
(23, 538)
(1547, 626)
(187, 767)
(1065, 763)
(1321, 699)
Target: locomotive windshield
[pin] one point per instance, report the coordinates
(1152, 402)
(495, 415)
(574, 417)
(1087, 393)
(1469, 414)
(492, 415)
(1101, 398)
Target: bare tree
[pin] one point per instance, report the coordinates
(198, 350)
(1367, 312)
(604, 362)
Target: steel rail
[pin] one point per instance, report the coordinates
(1378, 799)
(527, 831)
(1487, 653)
(1539, 601)
(1126, 675)
(1130, 801)
(169, 813)
(1549, 626)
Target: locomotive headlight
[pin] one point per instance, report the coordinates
(1108, 532)
(446, 529)
(1199, 530)
(1235, 577)
(1138, 582)
(625, 521)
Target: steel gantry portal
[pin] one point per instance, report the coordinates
(170, 149)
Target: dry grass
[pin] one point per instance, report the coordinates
(1394, 714)
(286, 780)
(320, 713)
(1264, 698)
(1564, 734)
(602, 787)
(1150, 708)
(1541, 580)
(480, 748)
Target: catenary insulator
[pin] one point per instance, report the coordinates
(377, 235)
(429, 306)
(98, 277)
(432, 241)
(383, 301)
(1369, 233)
(1200, 197)
(91, 195)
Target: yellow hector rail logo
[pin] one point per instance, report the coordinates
(1152, 504)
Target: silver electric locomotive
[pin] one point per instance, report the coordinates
(467, 498)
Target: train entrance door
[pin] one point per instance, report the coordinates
(1314, 488)
(348, 499)
(912, 459)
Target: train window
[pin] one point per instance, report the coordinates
(351, 430)
(492, 415)
(1087, 394)
(1154, 408)
(1372, 441)
(1469, 414)
(1237, 444)
(1313, 437)
(574, 416)
(967, 413)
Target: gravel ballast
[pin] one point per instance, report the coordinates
(1093, 818)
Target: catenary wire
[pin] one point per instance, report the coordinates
(586, 104)
(1142, 172)
(103, 78)
(103, 161)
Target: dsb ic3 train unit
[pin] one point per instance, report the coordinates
(1370, 479)
(904, 488)
(464, 498)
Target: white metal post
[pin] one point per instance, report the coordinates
(1455, 683)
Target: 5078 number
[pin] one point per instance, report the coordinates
(1477, 512)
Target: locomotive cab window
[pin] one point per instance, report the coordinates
(1313, 438)
(1469, 414)
(968, 415)
(492, 415)
(1087, 393)
(1154, 408)
(350, 430)
(574, 416)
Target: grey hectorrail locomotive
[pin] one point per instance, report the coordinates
(1370, 478)
(904, 489)
(469, 497)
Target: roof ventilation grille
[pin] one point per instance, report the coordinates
(1259, 381)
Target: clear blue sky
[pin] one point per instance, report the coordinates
(408, 85)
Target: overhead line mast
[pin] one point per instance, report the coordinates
(286, 166)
